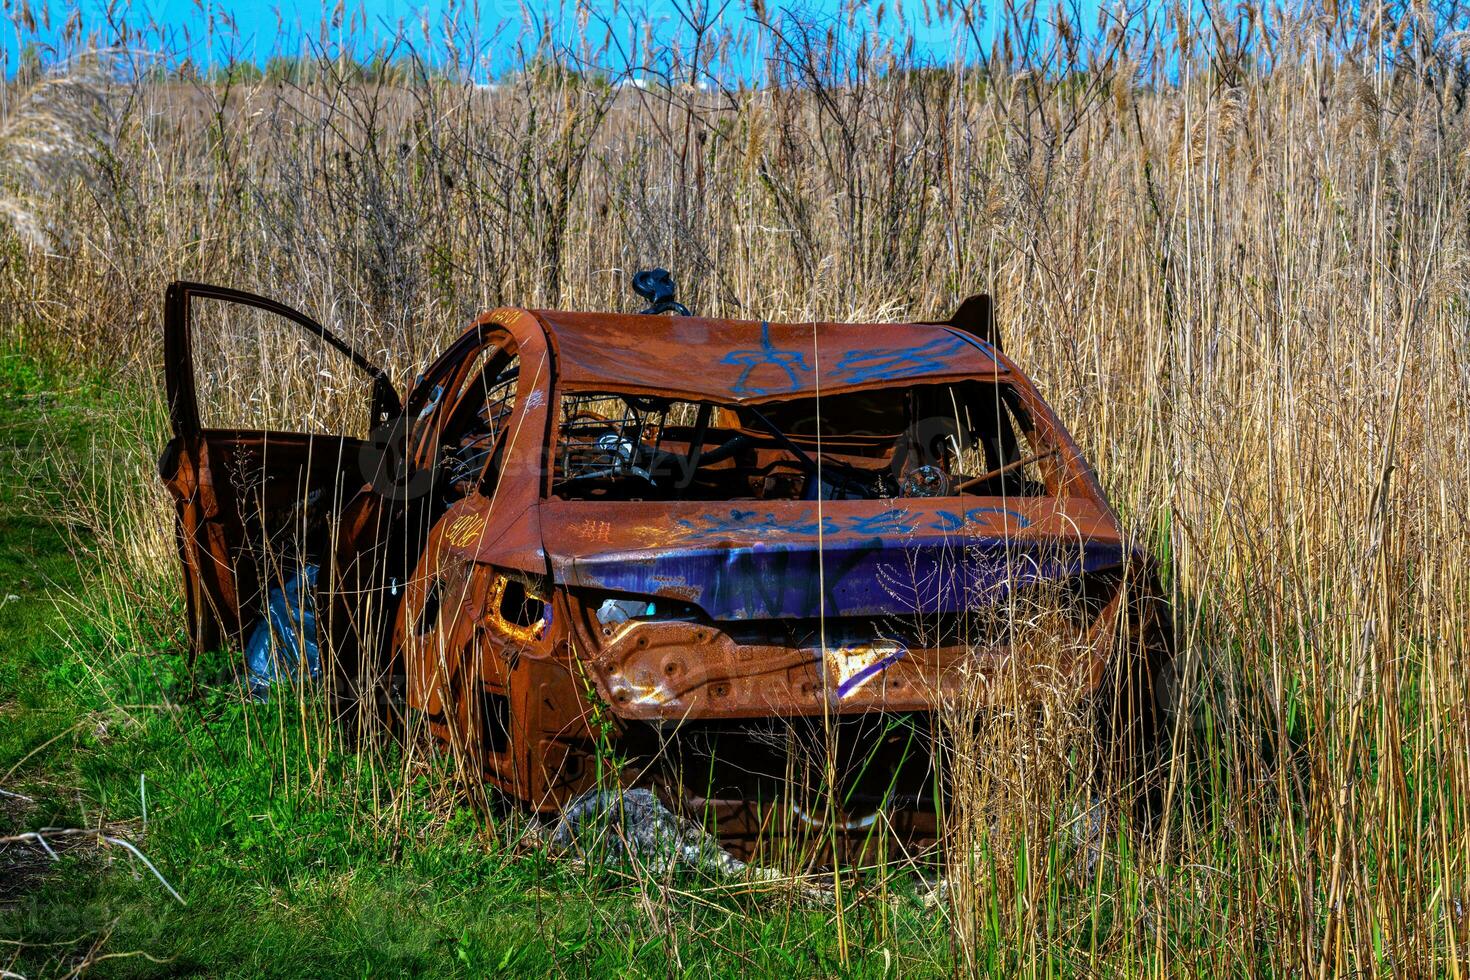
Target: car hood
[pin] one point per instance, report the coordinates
(792, 559)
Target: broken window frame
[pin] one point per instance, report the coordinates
(1029, 425)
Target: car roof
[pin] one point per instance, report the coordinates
(738, 361)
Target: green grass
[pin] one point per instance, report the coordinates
(272, 841)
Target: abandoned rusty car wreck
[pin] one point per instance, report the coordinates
(744, 559)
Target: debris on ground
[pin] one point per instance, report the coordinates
(285, 637)
(633, 826)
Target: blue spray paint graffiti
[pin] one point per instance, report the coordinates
(750, 523)
(753, 523)
(860, 678)
(948, 520)
(855, 367)
(890, 363)
(888, 522)
(789, 361)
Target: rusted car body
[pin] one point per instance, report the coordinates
(688, 545)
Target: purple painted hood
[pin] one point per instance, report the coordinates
(857, 558)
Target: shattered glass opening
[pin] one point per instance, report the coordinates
(474, 436)
(972, 438)
(252, 367)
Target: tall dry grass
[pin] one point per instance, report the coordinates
(1232, 248)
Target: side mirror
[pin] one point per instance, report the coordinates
(657, 286)
(386, 406)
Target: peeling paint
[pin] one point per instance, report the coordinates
(854, 665)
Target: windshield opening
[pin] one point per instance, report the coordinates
(972, 438)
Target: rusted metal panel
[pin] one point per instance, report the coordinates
(852, 558)
(740, 361)
(529, 621)
(680, 671)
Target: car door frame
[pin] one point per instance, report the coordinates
(178, 353)
(212, 603)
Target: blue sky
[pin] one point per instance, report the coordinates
(211, 31)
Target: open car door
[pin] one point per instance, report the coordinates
(272, 417)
